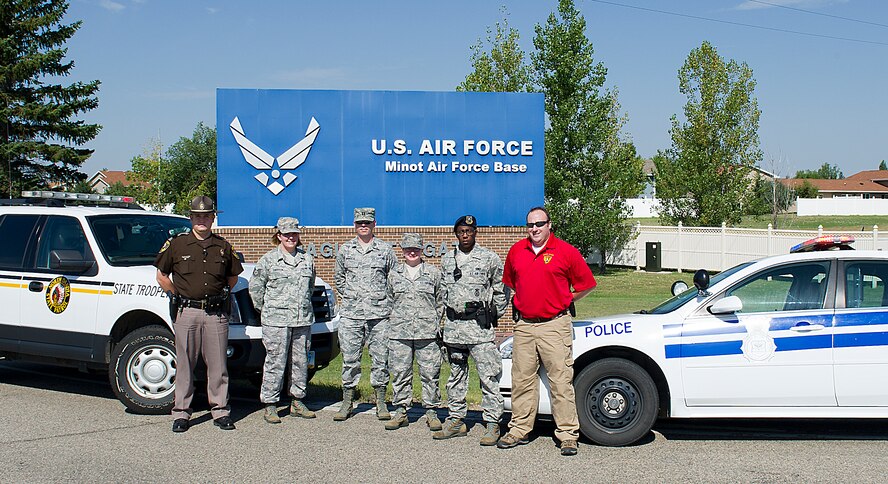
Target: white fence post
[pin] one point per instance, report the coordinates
(875, 237)
(770, 238)
(680, 227)
(724, 226)
(820, 230)
(637, 246)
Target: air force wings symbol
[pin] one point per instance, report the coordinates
(287, 162)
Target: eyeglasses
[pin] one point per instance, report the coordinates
(537, 224)
(465, 232)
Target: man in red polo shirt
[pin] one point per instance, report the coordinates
(547, 275)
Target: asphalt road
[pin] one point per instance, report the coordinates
(61, 425)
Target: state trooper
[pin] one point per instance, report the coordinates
(414, 326)
(361, 277)
(474, 299)
(281, 289)
(204, 269)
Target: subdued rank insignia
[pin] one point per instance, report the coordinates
(547, 258)
(470, 220)
(166, 245)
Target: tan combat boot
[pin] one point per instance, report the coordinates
(432, 420)
(271, 414)
(298, 409)
(346, 408)
(453, 427)
(491, 434)
(399, 419)
(382, 411)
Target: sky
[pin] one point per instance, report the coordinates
(819, 64)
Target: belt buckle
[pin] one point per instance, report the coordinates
(203, 304)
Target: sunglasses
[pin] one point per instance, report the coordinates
(537, 224)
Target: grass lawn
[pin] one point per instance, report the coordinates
(851, 223)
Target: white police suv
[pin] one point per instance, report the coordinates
(77, 288)
(803, 335)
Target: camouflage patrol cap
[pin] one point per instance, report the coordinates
(202, 204)
(467, 220)
(288, 225)
(411, 240)
(366, 214)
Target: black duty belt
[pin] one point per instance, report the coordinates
(544, 320)
(205, 304)
(454, 315)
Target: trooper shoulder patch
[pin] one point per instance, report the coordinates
(166, 245)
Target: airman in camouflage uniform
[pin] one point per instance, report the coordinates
(281, 288)
(414, 326)
(472, 279)
(361, 277)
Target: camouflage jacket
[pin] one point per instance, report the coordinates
(481, 281)
(362, 279)
(417, 303)
(281, 288)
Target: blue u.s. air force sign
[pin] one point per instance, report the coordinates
(419, 158)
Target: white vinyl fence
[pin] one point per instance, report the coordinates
(720, 248)
(842, 206)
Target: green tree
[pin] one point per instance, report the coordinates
(703, 179)
(590, 168)
(498, 65)
(883, 166)
(806, 190)
(81, 186)
(186, 170)
(770, 197)
(40, 131)
(825, 172)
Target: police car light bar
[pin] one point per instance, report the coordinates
(824, 242)
(87, 197)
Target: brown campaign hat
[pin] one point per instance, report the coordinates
(202, 204)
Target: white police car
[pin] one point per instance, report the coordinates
(77, 288)
(802, 335)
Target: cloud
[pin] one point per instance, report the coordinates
(752, 5)
(212, 10)
(111, 5)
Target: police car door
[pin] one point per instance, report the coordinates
(861, 339)
(17, 231)
(775, 351)
(61, 293)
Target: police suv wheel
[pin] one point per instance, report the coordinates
(143, 370)
(617, 402)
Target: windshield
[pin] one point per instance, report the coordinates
(132, 240)
(674, 303)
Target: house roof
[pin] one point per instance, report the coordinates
(110, 177)
(870, 175)
(846, 185)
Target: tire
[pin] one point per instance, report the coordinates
(617, 402)
(143, 370)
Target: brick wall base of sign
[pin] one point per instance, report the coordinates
(323, 242)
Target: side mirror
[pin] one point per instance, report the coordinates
(70, 261)
(728, 305)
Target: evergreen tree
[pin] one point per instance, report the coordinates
(40, 132)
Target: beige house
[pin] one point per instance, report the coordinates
(865, 184)
(105, 178)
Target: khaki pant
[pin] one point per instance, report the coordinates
(549, 343)
(200, 333)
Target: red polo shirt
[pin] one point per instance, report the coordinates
(542, 282)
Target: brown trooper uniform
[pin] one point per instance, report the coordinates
(203, 266)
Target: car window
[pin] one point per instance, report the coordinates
(675, 302)
(62, 234)
(793, 287)
(134, 239)
(865, 284)
(15, 232)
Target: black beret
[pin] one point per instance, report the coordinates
(467, 220)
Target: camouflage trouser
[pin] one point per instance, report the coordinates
(278, 342)
(352, 335)
(428, 358)
(490, 370)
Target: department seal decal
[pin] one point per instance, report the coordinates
(58, 293)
